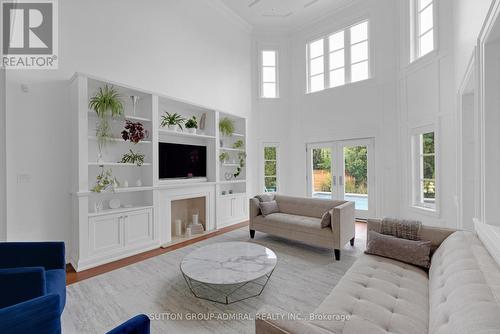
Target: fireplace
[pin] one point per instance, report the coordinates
(186, 217)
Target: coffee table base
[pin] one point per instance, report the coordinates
(227, 294)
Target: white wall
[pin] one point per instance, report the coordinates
(274, 116)
(193, 50)
(400, 97)
(3, 171)
(469, 17)
(360, 110)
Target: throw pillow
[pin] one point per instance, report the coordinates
(269, 207)
(416, 252)
(265, 197)
(326, 219)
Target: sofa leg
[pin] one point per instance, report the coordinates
(337, 254)
(352, 242)
(252, 234)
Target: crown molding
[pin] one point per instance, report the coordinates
(230, 15)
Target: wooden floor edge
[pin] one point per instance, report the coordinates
(73, 277)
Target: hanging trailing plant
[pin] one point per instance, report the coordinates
(106, 102)
(104, 181)
(241, 158)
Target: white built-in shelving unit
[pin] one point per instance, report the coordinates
(144, 219)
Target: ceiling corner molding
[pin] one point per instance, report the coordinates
(327, 14)
(230, 14)
(310, 3)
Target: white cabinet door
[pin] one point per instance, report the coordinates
(231, 209)
(224, 211)
(105, 234)
(138, 227)
(240, 207)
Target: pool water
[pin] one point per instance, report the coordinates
(360, 201)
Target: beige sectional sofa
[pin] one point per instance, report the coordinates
(300, 219)
(459, 294)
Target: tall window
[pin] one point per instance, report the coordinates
(269, 74)
(347, 58)
(423, 27)
(270, 167)
(424, 170)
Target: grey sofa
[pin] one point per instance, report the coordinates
(300, 219)
(459, 294)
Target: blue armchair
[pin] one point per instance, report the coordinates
(32, 287)
(137, 325)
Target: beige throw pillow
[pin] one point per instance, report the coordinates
(408, 251)
(326, 219)
(269, 207)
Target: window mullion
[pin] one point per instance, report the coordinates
(326, 62)
(347, 55)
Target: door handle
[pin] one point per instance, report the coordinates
(341, 180)
(334, 180)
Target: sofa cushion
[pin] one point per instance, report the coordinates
(310, 207)
(408, 251)
(380, 295)
(464, 287)
(301, 224)
(267, 208)
(56, 284)
(265, 197)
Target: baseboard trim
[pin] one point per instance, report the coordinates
(72, 276)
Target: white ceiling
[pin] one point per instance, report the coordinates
(282, 14)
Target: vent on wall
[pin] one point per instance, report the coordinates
(278, 15)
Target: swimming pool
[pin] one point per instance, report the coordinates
(360, 201)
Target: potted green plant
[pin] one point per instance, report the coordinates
(173, 122)
(238, 144)
(133, 158)
(226, 127)
(106, 103)
(191, 125)
(104, 181)
(224, 157)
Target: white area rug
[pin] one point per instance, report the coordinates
(303, 277)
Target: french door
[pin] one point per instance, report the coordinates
(342, 170)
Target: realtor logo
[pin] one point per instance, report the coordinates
(29, 38)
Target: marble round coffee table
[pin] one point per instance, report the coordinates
(228, 272)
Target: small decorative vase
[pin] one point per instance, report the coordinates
(191, 130)
(125, 184)
(138, 183)
(100, 162)
(230, 191)
(135, 100)
(172, 127)
(114, 203)
(178, 227)
(195, 219)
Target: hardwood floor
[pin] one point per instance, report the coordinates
(72, 276)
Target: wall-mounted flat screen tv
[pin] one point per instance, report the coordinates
(182, 161)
